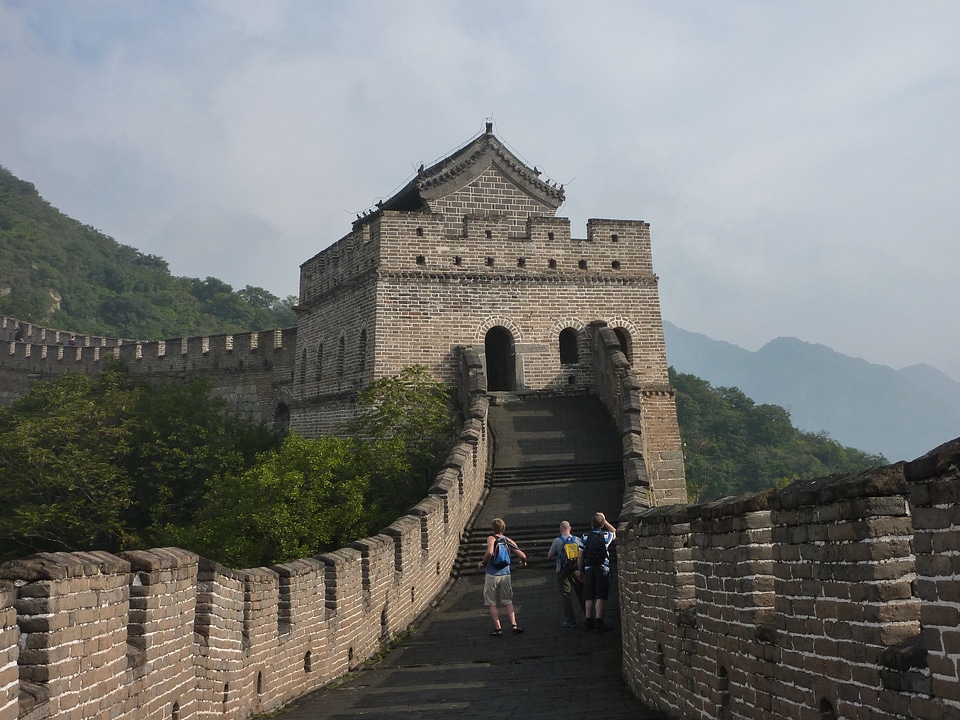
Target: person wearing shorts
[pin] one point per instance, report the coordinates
(498, 585)
(596, 576)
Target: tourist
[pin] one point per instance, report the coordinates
(594, 570)
(497, 585)
(566, 550)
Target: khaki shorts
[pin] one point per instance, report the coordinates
(497, 590)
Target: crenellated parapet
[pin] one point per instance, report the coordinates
(164, 633)
(248, 370)
(833, 597)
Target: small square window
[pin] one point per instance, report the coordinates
(489, 262)
(549, 236)
(419, 232)
(458, 260)
(488, 233)
(615, 237)
(552, 264)
(582, 264)
(615, 264)
(521, 262)
(421, 260)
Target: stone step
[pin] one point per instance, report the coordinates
(540, 474)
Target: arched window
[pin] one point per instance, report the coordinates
(569, 353)
(341, 355)
(626, 343)
(303, 366)
(319, 362)
(362, 353)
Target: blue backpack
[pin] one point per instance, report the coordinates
(501, 553)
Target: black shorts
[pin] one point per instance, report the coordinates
(596, 583)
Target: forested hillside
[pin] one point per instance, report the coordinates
(734, 446)
(57, 272)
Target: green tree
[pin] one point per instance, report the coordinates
(184, 438)
(409, 426)
(110, 463)
(301, 499)
(62, 479)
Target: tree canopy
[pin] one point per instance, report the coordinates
(111, 463)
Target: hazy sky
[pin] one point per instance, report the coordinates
(799, 162)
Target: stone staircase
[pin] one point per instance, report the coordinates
(555, 459)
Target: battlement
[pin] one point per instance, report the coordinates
(248, 370)
(833, 597)
(397, 242)
(38, 355)
(15, 330)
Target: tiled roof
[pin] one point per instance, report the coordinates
(464, 165)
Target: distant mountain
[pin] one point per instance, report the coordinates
(900, 414)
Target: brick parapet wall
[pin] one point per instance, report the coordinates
(10, 685)
(147, 633)
(42, 335)
(643, 406)
(249, 371)
(835, 597)
(934, 482)
(655, 571)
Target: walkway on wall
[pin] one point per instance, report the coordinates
(556, 459)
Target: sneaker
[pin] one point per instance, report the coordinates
(600, 625)
(570, 624)
(588, 624)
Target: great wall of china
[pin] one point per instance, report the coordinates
(831, 598)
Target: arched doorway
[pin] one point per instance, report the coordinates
(501, 359)
(281, 418)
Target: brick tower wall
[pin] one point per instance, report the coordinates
(409, 287)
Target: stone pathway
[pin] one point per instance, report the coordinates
(450, 667)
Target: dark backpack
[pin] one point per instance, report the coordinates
(594, 550)
(501, 553)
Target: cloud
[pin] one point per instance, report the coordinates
(797, 162)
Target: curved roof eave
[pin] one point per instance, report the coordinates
(465, 165)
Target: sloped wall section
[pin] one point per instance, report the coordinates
(645, 412)
(832, 598)
(165, 634)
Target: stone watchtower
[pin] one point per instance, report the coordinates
(471, 253)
